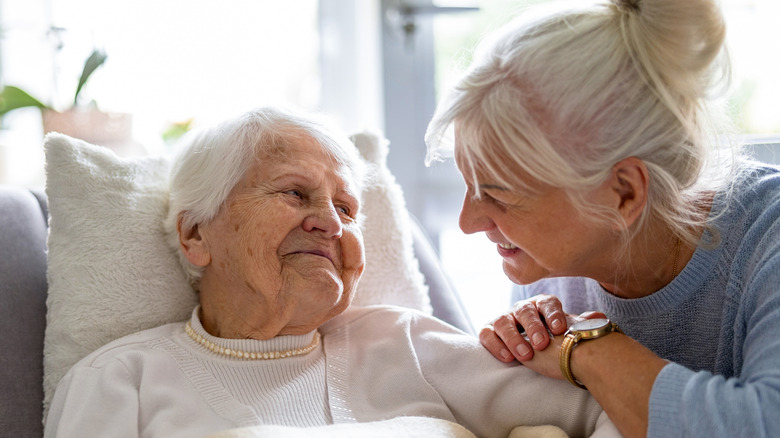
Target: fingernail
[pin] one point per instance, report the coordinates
(538, 338)
(523, 350)
(555, 323)
(505, 353)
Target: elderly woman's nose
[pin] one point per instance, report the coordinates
(472, 219)
(324, 219)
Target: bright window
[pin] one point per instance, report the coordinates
(751, 38)
(168, 61)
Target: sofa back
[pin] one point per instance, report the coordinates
(22, 310)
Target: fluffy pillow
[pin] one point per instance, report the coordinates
(392, 274)
(111, 273)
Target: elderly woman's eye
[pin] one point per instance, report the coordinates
(294, 192)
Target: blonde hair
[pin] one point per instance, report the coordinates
(213, 161)
(562, 98)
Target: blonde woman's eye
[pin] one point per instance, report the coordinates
(484, 196)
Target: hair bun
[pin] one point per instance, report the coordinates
(676, 42)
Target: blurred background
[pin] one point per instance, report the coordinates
(166, 66)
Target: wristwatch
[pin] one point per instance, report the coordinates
(580, 331)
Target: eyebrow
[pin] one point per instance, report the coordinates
(353, 197)
(290, 174)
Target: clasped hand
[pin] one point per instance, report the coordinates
(526, 331)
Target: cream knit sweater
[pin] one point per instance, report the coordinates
(373, 364)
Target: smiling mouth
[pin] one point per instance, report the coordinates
(507, 246)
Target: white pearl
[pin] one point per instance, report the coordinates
(250, 355)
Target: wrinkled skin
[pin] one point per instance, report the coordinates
(285, 252)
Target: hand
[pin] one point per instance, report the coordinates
(535, 316)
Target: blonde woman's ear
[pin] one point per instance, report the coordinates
(192, 244)
(629, 183)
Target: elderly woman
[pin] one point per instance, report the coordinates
(265, 211)
(584, 137)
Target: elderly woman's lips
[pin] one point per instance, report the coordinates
(316, 253)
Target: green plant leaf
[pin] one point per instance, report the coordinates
(12, 98)
(176, 130)
(95, 60)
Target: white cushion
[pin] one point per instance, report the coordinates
(111, 273)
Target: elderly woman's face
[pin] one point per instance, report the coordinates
(285, 250)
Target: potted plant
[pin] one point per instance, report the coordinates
(86, 122)
(12, 98)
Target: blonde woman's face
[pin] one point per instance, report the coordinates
(286, 249)
(536, 236)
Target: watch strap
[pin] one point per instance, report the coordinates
(569, 341)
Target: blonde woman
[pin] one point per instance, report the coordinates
(590, 152)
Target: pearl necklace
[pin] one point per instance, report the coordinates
(260, 355)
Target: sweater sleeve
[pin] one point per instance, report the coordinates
(489, 397)
(92, 401)
(687, 403)
(571, 291)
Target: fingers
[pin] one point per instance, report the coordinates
(592, 315)
(508, 329)
(495, 345)
(551, 308)
(526, 314)
(527, 328)
(536, 316)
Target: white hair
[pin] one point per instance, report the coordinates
(562, 98)
(213, 161)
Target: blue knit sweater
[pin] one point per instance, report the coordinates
(718, 322)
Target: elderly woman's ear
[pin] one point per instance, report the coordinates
(627, 185)
(192, 244)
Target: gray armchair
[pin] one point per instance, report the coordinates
(23, 231)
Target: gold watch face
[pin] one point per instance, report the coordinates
(590, 324)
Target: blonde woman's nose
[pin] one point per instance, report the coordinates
(471, 219)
